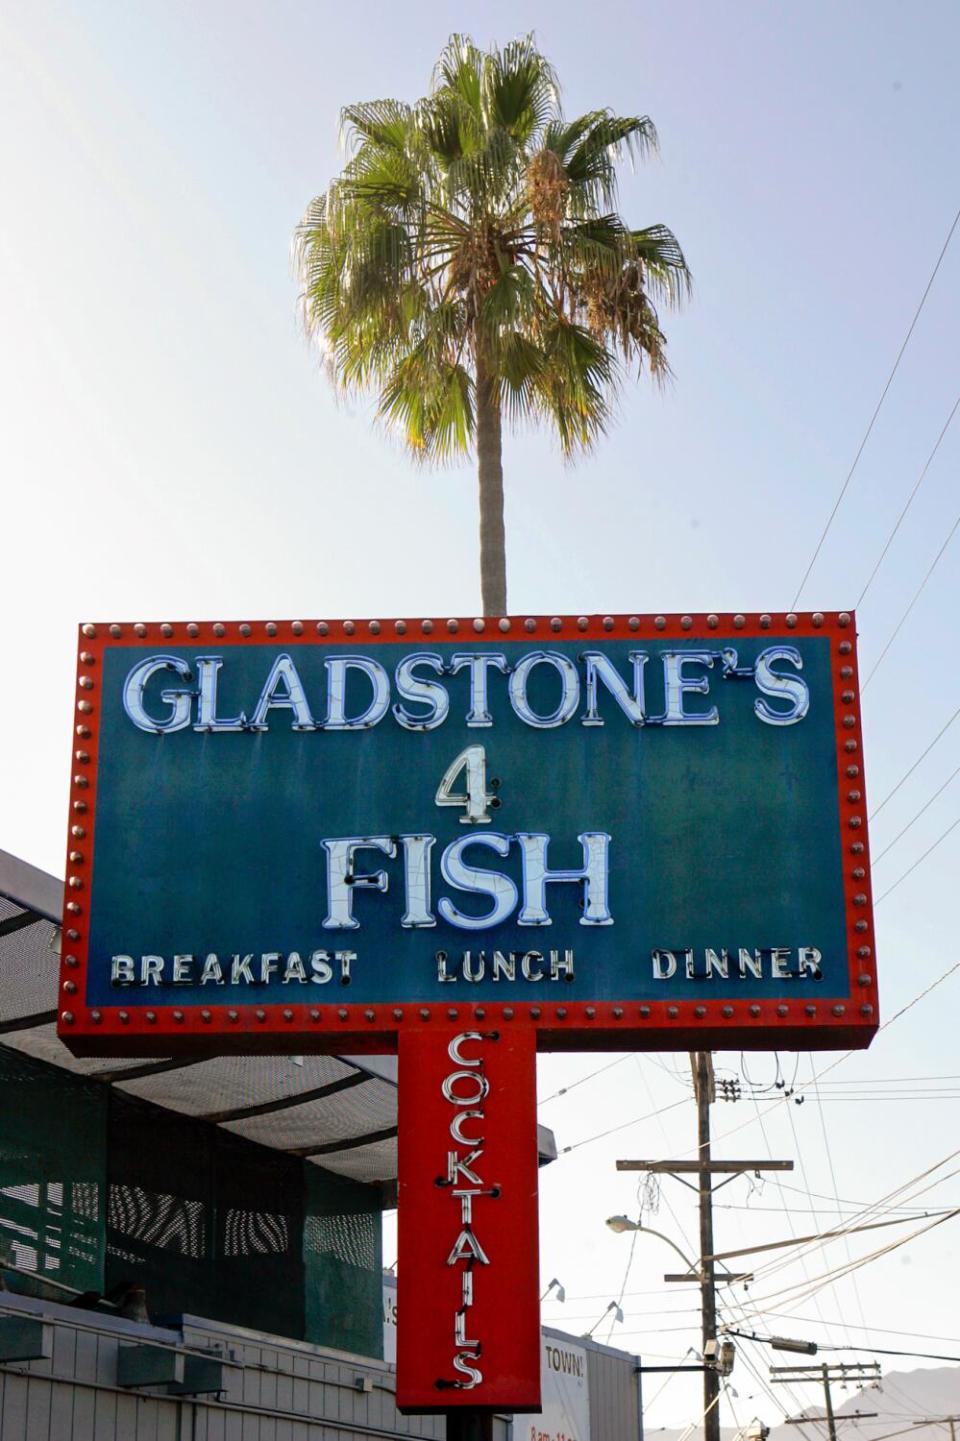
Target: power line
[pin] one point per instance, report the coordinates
(664, 1196)
(919, 997)
(893, 1080)
(583, 1079)
(910, 499)
(873, 418)
(925, 807)
(833, 1178)
(909, 1213)
(916, 596)
(907, 774)
(813, 1211)
(770, 1268)
(884, 1205)
(919, 861)
(878, 1350)
(798, 1292)
(897, 1014)
(871, 1330)
(816, 1422)
(934, 1093)
(622, 1127)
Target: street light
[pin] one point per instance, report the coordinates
(555, 1286)
(620, 1224)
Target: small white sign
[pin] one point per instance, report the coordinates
(566, 1397)
(390, 1319)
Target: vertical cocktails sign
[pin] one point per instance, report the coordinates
(582, 832)
(467, 1219)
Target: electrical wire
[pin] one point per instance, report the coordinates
(921, 757)
(771, 1268)
(879, 1207)
(866, 1098)
(910, 869)
(925, 807)
(889, 1435)
(789, 1219)
(624, 1125)
(688, 1245)
(693, 1426)
(649, 1403)
(872, 1330)
(839, 1060)
(863, 1206)
(798, 1293)
(916, 596)
(874, 1350)
(833, 1178)
(788, 1390)
(895, 1017)
(910, 500)
(623, 1284)
(788, 1211)
(893, 1080)
(583, 1079)
(873, 418)
(729, 1394)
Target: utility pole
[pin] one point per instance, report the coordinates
(828, 1402)
(839, 1371)
(701, 1063)
(716, 1362)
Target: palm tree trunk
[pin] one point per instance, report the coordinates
(493, 551)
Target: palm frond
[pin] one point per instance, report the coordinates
(576, 385)
(459, 74)
(663, 261)
(520, 89)
(591, 162)
(522, 365)
(430, 401)
(602, 241)
(383, 122)
(383, 178)
(446, 127)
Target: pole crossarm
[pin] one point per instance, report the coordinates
(816, 1373)
(694, 1168)
(727, 1277)
(812, 1420)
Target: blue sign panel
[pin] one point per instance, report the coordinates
(616, 827)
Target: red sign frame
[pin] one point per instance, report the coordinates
(165, 1030)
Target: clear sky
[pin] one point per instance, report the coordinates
(171, 450)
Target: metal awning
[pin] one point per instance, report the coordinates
(340, 1111)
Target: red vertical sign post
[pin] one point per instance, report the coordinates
(467, 1289)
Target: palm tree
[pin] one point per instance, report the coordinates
(469, 264)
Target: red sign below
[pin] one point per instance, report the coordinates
(467, 1289)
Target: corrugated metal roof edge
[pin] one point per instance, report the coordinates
(31, 888)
